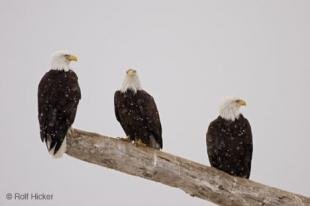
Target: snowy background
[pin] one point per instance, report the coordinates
(189, 54)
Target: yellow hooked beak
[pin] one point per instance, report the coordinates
(131, 72)
(241, 102)
(71, 57)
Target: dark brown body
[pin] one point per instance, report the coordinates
(138, 116)
(58, 97)
(230, 146)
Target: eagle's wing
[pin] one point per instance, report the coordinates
(248, 147)
(151, 117)
(57, 104)
(116, 98)
(212, 145)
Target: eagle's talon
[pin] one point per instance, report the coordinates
(140, 143)
(126, 139)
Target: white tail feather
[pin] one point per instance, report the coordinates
(61, 150)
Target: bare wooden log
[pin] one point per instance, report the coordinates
(195, 179)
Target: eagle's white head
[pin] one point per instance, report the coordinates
(229, 109)
(131, 81)
(61, 60)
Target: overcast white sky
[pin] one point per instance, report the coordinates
(189, 54)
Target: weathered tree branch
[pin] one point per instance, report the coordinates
(195, 179)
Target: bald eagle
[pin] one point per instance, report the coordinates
(229, 140)
(58, 97)
(137, 113)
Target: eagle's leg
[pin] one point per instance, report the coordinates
(140, 143)
(69, 132)
(126, 139)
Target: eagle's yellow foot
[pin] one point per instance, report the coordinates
(69, 132)
(126, 139)
(140, 143)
